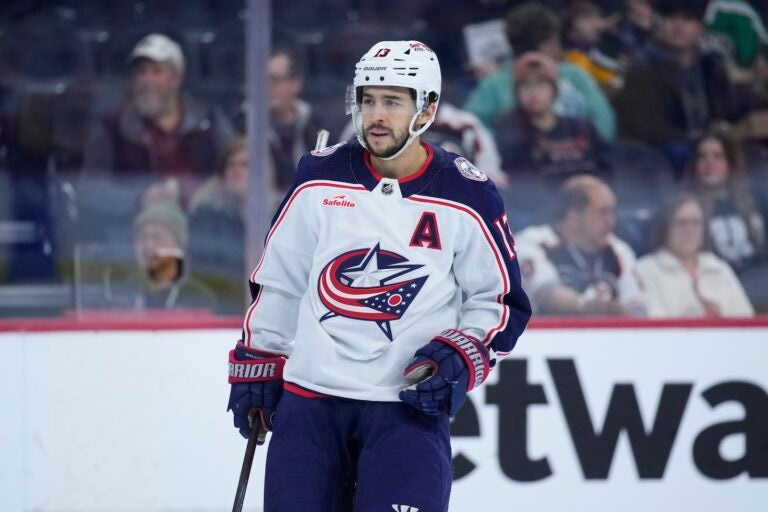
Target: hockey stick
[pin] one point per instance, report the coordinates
(253, 437)
(250, 449)
(245, 472)
(322, 139)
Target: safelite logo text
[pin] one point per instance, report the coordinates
(339, 202)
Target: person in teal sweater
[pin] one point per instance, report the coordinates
(534, 27)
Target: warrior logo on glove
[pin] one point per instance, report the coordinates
(363, 285)
(442, 369)
(474, 353)
(256, 377)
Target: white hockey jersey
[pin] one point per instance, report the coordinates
(360, 271)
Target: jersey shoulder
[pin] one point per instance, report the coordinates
(332, 163)
(459, 180)
(542, 235)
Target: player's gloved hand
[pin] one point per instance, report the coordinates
(256, 377)
(444, 370)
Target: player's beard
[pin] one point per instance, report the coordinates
(399, 141)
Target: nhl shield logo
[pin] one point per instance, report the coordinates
(468, 170)
(369, 284)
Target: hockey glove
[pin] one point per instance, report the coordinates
(257, 385)
(444, 370)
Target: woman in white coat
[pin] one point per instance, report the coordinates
(681, 278)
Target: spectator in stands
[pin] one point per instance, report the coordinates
(217, 225)
(738, 25)
(533, 27)
(681, 278)
(737, 220)
(626, 41)
(160, 131)
(161, 278)
(294, 127)
(738, 33)
(536, 143)
(583, 29)
(576, 266)
(670, 98)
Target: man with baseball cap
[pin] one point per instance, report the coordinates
(160, 131)
(159, 48)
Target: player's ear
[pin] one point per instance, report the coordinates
(427, 114)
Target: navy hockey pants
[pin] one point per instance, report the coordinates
(338, 455)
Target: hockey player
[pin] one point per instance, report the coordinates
(387, 289)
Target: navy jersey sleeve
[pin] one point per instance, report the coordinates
(495, 309)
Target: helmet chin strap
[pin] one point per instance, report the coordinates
(411, 134)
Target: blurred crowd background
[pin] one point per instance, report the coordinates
(629, 139)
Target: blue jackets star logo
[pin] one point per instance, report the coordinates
(366, 284)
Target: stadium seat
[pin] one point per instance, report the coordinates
(634, 225)
(106, 207)
(222, 56)
(71, 114)
(642, 177)
(390, 12)
(226, 95)
(302, 17)
(343, 48)
(755, 282)
(44, 55)
(756, 158)
(103, 15)
(187, 14)
(26, 231)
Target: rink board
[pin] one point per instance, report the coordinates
(133, 420)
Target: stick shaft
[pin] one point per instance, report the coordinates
(322, 139)
(245, 471)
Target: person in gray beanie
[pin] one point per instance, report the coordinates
(160, 238)
(161, 235)
(160, 277)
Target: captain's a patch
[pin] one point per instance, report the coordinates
(468, 170)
